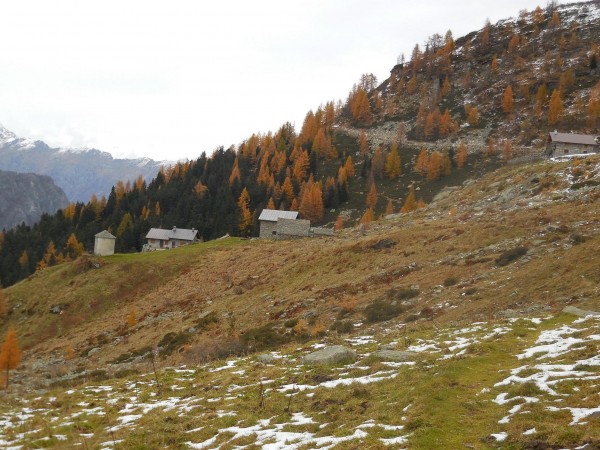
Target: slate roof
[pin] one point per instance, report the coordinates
(105, 235)
(271, 215)
(572, 138)
(182, 234)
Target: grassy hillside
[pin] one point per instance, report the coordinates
(457, 284)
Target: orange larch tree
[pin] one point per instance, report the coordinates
(378, 163)
(372, 196)
(410, 204)
(321, 144)
(10, 354)
(422, 162)
(363, 144)
(555, 21)
(507, 100)
(367, 217)
(311, 204)
(434, 169)
(361, 108)
(349, 166)
(392, 163)
(389, 208)
(556, 108)
(514, 42)
(445, 87)
(287, 190)
(473, 116)
(74, 248)
(537, 15)
(245, 225)
(301, 166)
(445, 123)
(235, 172)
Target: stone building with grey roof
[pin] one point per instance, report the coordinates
(160, 239)
(567, 144)
(275, 224)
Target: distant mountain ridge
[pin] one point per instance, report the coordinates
(81, 173)
(26, 196)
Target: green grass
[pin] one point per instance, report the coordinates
(449, 401)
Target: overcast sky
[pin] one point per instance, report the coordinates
(169, 79)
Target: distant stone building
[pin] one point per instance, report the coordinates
(104, 244)
(159, 239)
(276, 224)
(268, 221)
(562, 144)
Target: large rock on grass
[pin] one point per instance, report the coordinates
(331, 355)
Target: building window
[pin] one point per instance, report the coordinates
(274, 232)
(566, 151)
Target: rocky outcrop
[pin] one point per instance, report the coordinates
(26, 196)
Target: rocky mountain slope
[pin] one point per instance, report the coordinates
(537, 55)
(80, 173)
(26, 196)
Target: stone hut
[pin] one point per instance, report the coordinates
(104, 244)
(286, 225)
(268, 221)
(568, 144)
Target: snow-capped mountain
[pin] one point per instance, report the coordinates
(79, 172)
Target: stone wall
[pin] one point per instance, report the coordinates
(321, 231)
(561, 149)
(267, 229)
(292, 228)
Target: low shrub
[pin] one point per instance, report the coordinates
(211, 349)
(342, 326)
(125, 373)
(450, 281)
(577, 239)
(510, 255)
(126, 357)
(173, 341)
(381, 310)
(402, 293)
(290, 323)
(207, 320)
(263, 337)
